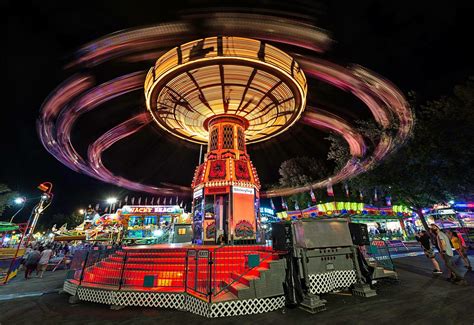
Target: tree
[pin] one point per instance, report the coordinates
(6, 198)
(301, 171)
(437, 163)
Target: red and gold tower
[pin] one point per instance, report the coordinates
(225, 92)
(226, 185)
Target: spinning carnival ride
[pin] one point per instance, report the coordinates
(226, 84)
(224, 92)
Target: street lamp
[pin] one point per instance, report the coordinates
(19, 201)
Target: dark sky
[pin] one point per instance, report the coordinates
(418, 45)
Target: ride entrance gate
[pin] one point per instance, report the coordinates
(198, 272)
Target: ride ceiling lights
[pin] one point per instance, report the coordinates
(182, 91)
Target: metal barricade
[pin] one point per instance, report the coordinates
(199, 271)
(379, 253)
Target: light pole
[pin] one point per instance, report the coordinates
(19, 201)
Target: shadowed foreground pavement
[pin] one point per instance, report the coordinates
(419, 298)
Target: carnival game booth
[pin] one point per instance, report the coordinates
(155, 224)
(10, 236)
(386, 223)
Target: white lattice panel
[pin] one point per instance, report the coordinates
(197, 306)
(178, 301)
(70, 288)
(96, 295)
(246, 307)
(329, 281)
(149, 299)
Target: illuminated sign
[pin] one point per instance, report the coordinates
(243, 190)
(217, 190)
(152, 209)
(446, 211)
(197, 193)
(267, 211)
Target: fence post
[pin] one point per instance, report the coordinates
(123, 270)
(84, 267)
(186, 272)
(210, 263)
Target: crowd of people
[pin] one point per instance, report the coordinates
(446, 243)
(39, 254)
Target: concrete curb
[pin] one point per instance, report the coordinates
(13, 296)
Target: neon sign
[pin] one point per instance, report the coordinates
(152, 209)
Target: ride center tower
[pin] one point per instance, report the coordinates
(225, 92)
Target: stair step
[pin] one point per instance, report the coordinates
(235, 287)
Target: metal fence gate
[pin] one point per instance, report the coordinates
(198, 271)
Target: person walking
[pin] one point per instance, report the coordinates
(425, 240)
(446, 252)
(457, 245)
(31, 262)
(43, 262)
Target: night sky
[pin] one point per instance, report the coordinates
(418, 45)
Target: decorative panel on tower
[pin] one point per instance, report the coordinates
(242, 170)
(213, 139)
(217, 170)
(228, 137)
(240, 139)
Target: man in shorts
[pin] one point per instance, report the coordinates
(446, 252)
(424, 239)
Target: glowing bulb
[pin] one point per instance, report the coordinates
(111, 200)
(158, 233)
(20, 200)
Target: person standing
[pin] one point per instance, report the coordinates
(446, 252)
(457, 245)
(43, 262)
(31, 262)
(424, 239)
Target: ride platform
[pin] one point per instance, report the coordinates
(206, 280)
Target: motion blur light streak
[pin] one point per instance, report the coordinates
(193, 101)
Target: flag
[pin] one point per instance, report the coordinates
(106, 210)
(297, 207)
(133, 200)
(361, 195)
(346, 187)
(177, 199)
(186, 207)
(119, 204)
(152, 199)
(283, 204)
(139, 200)
(271, 204)
(126, 200)
(375, 195)
(389, 200)
(313, 197)
(181, 204)
(158, 200)
(330, 189)
(146, 200)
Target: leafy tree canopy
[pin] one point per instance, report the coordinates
(301, 171)
(437, 163)
(6, 198)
